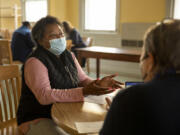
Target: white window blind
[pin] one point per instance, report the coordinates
(177, 9)
(100, 15)
(35, 9)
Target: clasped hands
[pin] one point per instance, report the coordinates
(102, 86)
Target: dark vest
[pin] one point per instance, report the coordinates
(62, 73)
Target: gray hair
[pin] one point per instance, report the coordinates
(39, 28)
(163, 42)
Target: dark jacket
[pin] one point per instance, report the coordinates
(62, 75)
(21, 44)
(77, 42)
(76, 39)
(152, 108)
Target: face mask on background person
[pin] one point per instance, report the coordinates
(57, 46)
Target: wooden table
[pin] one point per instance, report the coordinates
(66, 114)
(129, 55)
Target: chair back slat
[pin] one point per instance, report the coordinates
(15, 93)
(5, 52)
(9, 98)
(10, 91)
(3, 94)
(18, 85)
(1, 115)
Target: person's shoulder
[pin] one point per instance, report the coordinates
(132, 92)
(23, 31)
(75, 31)
(133, 88)
(33, 63)
(32, 60)
(17, 29)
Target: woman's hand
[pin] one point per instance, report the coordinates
(108, 81)
(94, 89)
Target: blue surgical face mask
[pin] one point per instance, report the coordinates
(57, 46)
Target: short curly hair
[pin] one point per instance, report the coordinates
(40, 26)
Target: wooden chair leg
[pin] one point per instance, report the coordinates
(88, 68)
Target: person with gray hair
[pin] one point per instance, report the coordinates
(52, 74)
(151, 108)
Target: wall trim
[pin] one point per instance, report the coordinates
(170, 8)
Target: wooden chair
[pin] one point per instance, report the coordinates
(68, 44)
(6, 53)
(9, 99)
(6, 33)
(88, 41)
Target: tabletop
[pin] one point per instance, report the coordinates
(112, 50)
(66, 114)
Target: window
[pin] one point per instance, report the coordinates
(177, 9)
(100, 15)
(35, 9)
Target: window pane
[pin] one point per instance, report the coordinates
(35, 10)
(177, 9)
(100, 15)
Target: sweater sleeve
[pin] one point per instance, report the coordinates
(37, 79)
(84, 79)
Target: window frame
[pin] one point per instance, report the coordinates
(170, 5)
(23, 3)
(173, 7)
(82, 20)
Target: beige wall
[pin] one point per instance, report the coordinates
(73, 12)
(145, 11)
(130, 11)
(65, 10)
(58, 8)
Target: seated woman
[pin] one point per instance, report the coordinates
(152, 108)
(52, 74)
(75, 36)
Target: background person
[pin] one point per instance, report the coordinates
(52, 74)
(21, 43)
(152, 108)
(76, 38)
